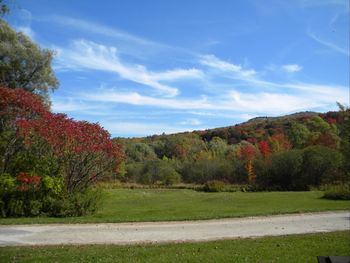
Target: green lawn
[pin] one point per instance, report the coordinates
(293, 248)
(123, 205)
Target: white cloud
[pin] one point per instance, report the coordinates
(245, 116)
(332, 46)
(291, 68)
(23, 23)
(192, 122)
(99, 29)
(144, 129)
(232, 101)
(89, 55)
(27, 30)
(214, 62)
(135, 98)
(273, 103)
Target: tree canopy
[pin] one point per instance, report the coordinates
(23, 64)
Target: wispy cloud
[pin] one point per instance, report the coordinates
(24, 23)
(135, 98)
(216, 63)
(27, 30)
(145, 129)
(89, 55)
(328, 44)
(96, 28)
(300, 89)
(292, 68)
(193, 122)
(233, 100)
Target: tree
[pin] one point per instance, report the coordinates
(344, 127)
(264, 148)
(250, 172)
(321, 165)
(15, 104)
(159, 171)
(279, 142)
(23, 64)
(139, 152)
(4, 9)
(218, 147)
(48, 161)
(84, 150)
(247, 151)
(285, 171)
(298, 135)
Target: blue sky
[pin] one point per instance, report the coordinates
(147, 67)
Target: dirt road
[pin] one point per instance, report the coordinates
(156, 232)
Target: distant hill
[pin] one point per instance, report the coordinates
(254, 129)
(304, 114)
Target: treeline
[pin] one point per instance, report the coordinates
(287, 153)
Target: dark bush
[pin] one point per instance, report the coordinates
(283, 172)
(321, 165)
(337, 192)
(214, 186)
(73, 204)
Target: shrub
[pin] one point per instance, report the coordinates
(72, 204)
(337, 192)
(207, 169)
(159, 171)
(214, 186)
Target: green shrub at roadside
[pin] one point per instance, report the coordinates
(337, 192)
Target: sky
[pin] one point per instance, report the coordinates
(149, 67)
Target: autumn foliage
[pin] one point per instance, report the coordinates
(37, 144)
(17, 104)
(264, 148)
(28, 182)
(84, 149)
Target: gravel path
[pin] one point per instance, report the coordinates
(157, 232)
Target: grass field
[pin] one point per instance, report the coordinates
(293, 248)
(127, 205)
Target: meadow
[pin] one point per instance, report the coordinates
(137, 205)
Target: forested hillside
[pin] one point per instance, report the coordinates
(291, 152)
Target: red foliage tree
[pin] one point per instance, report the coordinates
(264, 148)
(18, 104)
(83, 149)
(247, 152)
(15, 104)
(280, 142)
(331, 120)
(180, 151)
(328, 140)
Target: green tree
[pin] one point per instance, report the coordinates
(218, 147)
(23, 64)
(320, 165)
(4, 9)
(159, 171)
(285, 171)
(298, 134)
(344, 128)
(139, 152)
